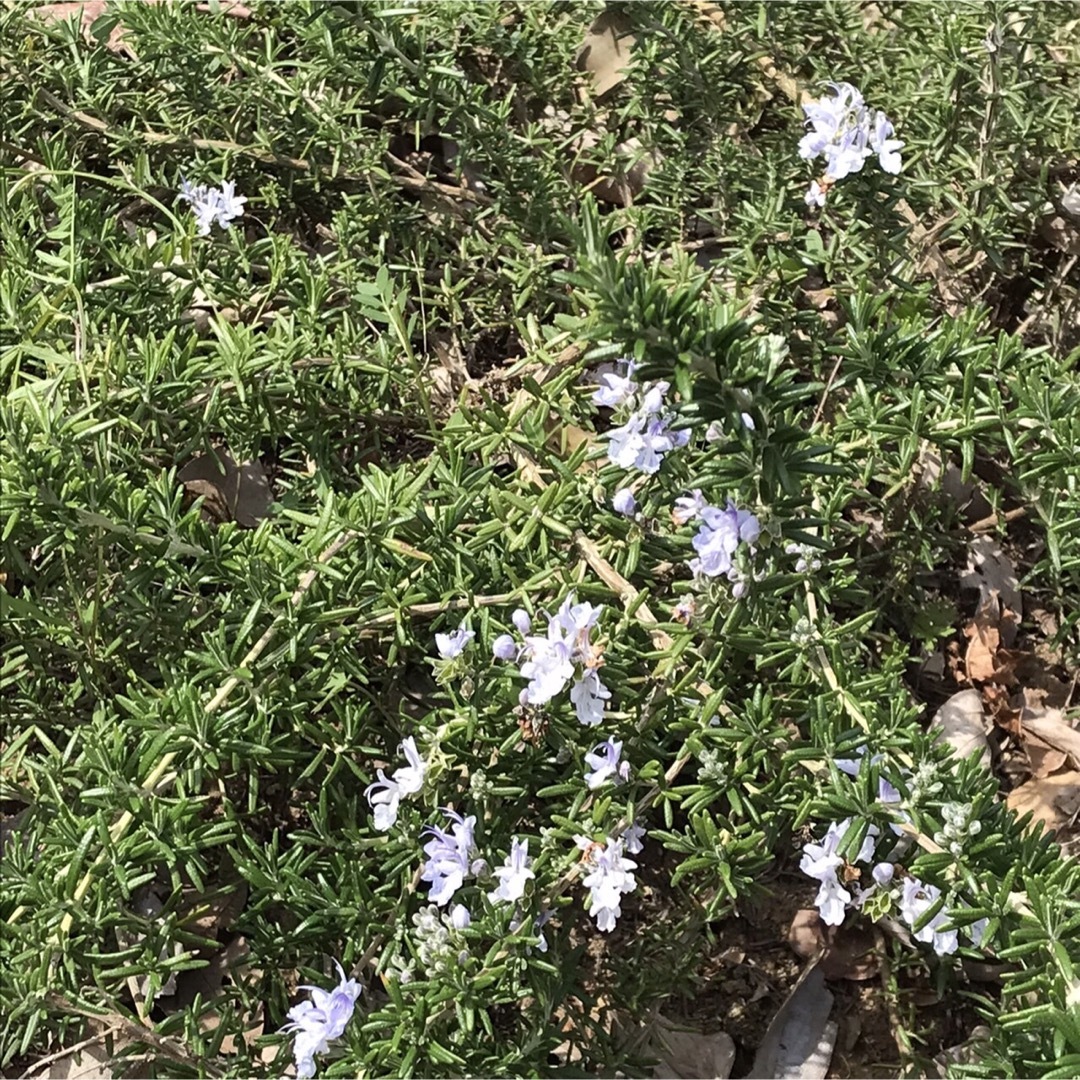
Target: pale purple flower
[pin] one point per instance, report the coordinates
(521, 621)
(384, 802)
(815, 194)
(538, 928)
(832, 901)
(633, 836)
(883, 873)
(821, 862)
(887, 149)
(616, 389)
(210, 204)
(453, 645)
(504, 648)
(748, 421)
(410, 778)
(314, 1023)
(719, 536)
(588, 695)
(845, 132)
(577, 620)
(460, 918)
(514, 874)
(714, 432)
(652, 401)
(449, 855)
(604, 764)
(689, 507)
(643, 440)
(916, 899)
(623, 502)
(549, 666)
(610, 879)
(230, 205)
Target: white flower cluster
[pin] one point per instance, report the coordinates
(210, 204)
(845, 133)
(642, 441)
(439, 946)
(550, 660)
(610, 878)
(314, 1023)
(960, 825)
(407, 780)
(821, 862)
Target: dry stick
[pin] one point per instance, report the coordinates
(163, 1045)
(267, 157)
(67, 1051)
(154, 778)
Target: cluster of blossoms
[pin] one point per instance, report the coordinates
(914, 899)
(718, 539)
(845, 133)
(314, 1023)
(604, 764)
(450, 857)
(609, 878)
(384, 795)
(821, 862)
(550, 660)
(439, 947)
(646, 436)
(210, 204)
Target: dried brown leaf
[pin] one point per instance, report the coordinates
(243, 490)
(1053, 800)
(1052, 728)
(847, 952)
(605, 52)
(687, 1053)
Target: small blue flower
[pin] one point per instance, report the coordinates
(211, 204)
(604, 764)
(314, 1023)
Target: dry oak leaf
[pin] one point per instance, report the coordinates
(605, 52)
(239, 492)
(1052, 800)
(961, 723)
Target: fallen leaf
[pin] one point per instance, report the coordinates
(846, 952)
(984, 638)
(961, 723)
(686, 1053)
(991, 572)
(605, 52)
(1051, 727)
(243, 489)
(799, 1041)
(1052, 800)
